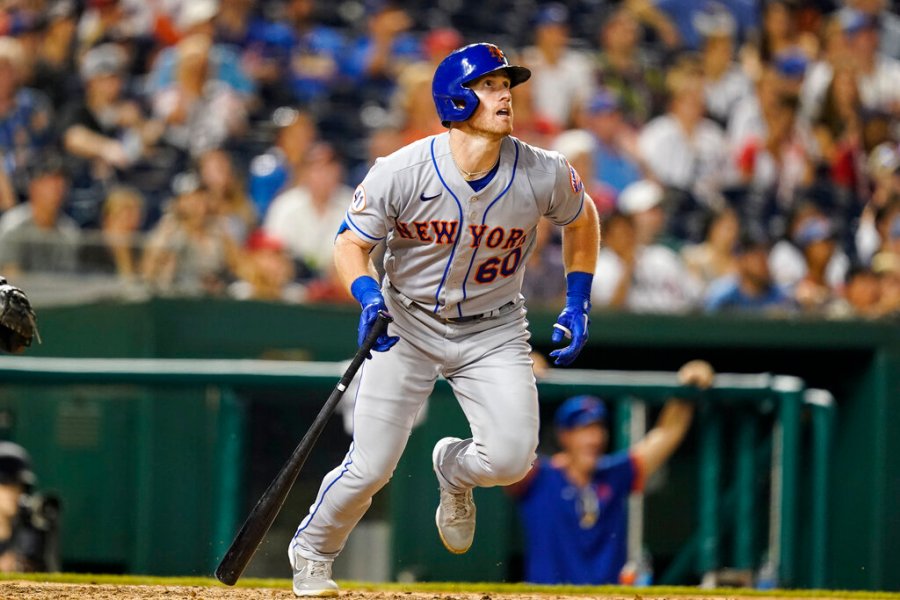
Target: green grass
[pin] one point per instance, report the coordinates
(490, 587)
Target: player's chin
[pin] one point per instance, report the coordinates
(503, 126)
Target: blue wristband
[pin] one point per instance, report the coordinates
(578, 287)
(364, 288)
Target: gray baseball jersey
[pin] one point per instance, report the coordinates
(449, 248)
(451, 253)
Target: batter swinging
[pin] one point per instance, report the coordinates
(458, 213)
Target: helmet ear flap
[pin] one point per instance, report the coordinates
(464, 102)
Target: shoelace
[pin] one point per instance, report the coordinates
(457, 506)
(318, 570)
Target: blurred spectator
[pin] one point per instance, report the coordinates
(789, 265)
(791, 68)
(713, 258)
(725, 83)
(29, 523)
(266, 272)
(574, 503)
(440, 42)
(220, 63)
(115, 249)
(580, 148)
(377, 57)
(36, 236)
(531, 126)
(664, 28)
(25, 118)
(887, 221)
(833, 52)
(681, 148)
(382, 141)
(887, 266)
(878, 74)
(752, 289)
(102, 21)
(775, 166)
(862, 293)
(688, 14)
(888, 20)
(643, 200)
(545, 276)
(625, 69)
(236, 24)
(747, 121)
(55, 73)
(883, 169)
(316, 52)
(306, 217)
(816, 240)
(641, 276)
(263, 47)
(227, 193)
(415, 105)
(561, 77)
(276, 169)
(778, 34)
(838, 129)
(104, 132)
(200, 111)
(189, 252)
(614, 163)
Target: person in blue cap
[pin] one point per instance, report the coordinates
(574, 504)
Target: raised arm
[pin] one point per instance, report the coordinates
(660, 443)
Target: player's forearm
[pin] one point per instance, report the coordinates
(581, 240)
(662, 441)
(351, 260)
(675, 419)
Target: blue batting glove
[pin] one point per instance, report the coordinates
(366, 291)
(573, 321)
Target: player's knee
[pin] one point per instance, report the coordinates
(373, 477)
(511, 461)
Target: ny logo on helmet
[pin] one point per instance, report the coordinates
(496, 53)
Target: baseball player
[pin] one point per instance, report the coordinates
(458, 213)
(574, 504)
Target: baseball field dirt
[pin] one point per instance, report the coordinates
(35, 590)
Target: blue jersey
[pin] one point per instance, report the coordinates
(725, 295)
(577, 535)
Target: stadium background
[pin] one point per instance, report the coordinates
(128, 461)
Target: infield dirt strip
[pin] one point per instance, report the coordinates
(15, 590)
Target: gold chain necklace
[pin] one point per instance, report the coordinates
(469, 176)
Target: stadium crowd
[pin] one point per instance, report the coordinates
(743, 154)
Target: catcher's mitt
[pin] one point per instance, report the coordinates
(18, 324)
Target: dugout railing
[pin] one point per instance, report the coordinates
(755, 435)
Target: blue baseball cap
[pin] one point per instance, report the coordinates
(579, 411)
(853, 21)
(791, 63)
(552, 14)
(816, 229)
(603, 102)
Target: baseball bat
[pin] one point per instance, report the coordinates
(269, 505)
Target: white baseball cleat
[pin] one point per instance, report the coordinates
(312, 577)
(455, 516)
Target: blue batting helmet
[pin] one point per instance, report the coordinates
(452, 98)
